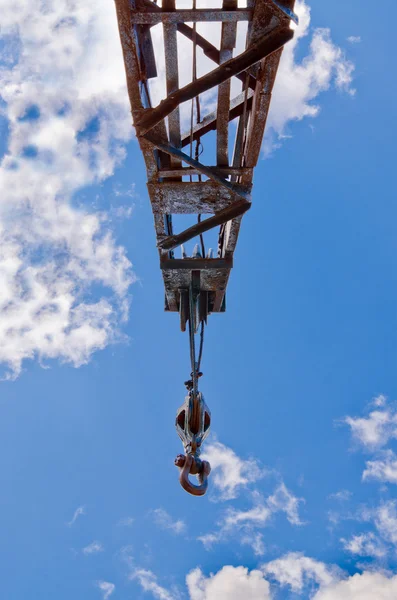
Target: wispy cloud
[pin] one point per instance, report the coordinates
(354, 39)
(165, 521)
(379, 542)
(93, 548)
(107, 588)
(126, 522)
(386, 521)
(77, 513)
(148, 581)
(373, 432)
(236, 520)
(365, 544)
(384, 468)
(125, 192)
(284, 501)
(255, 540)
(257, 516)
(341, 496)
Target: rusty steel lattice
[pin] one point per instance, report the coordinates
(180, 183)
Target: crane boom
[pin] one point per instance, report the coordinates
(182, 182)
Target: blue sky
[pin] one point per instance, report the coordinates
(299, 373)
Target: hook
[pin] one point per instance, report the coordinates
(191, 465)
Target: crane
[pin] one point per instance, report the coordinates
(180, 177)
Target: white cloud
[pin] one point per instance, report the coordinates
(93, 548)
(382, 469)
(301, 574)
(374, 431)
(386, 521)
(257, 516)
(365, 544)
(365, 586)
(165, 521)
(235, 520)
(148, 581)
(354, 39)
(282, 500)
(77, 513)
(107, 588)
(66, 102)
(299, 84)
(229, 472)
(295, 570)
(230, 583)
(383, 539)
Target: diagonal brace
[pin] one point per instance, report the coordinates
(269, 43)
(225, 215)
(164, 147)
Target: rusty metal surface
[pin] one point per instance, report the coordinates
(228, 43)
(159, 128)
(194, 198)
(191, 16)
(189, 465)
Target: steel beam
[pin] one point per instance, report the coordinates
(188, 171)
(196, 264)
(197, 197)
(191, 16)
(172, 78)
(228, 43)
